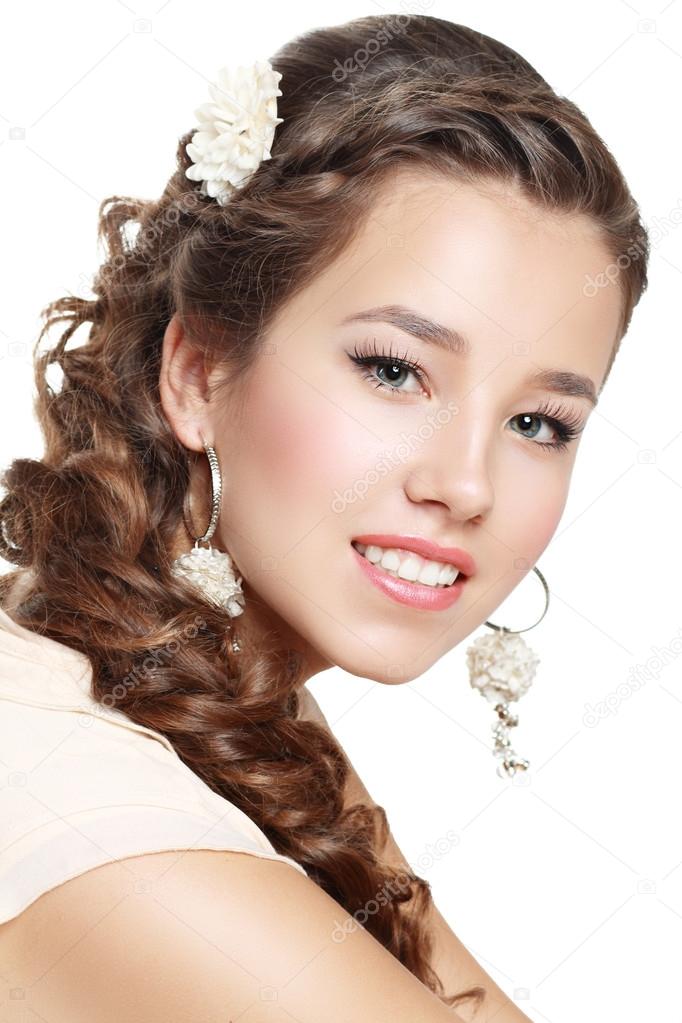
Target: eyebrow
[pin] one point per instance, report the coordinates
(560, 381)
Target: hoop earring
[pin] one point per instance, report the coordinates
(502, 668)
(208, 570)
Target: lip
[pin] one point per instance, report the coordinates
(462, 560)
(418, 595)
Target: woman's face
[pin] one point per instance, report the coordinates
(319, 451)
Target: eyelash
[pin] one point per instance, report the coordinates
(567, 425)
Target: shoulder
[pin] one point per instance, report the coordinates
(85, 791)
(163, 935)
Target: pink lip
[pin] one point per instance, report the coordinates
(426, 548)
(428, 598)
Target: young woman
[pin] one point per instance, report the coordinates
(429, 239)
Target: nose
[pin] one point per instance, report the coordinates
(452, 469)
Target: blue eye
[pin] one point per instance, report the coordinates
(567, 425)
(390, 364)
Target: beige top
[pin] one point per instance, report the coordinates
(82, 784)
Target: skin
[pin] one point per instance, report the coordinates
(304, 426)
(307, 425)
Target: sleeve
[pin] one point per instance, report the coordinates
(60, 849)
(81, 792)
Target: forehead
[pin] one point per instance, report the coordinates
(484, 260)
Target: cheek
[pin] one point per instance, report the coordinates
(533, 508)
(299, 448)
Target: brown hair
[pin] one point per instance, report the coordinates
(95, 519)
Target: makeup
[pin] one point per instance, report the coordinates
(418, 595)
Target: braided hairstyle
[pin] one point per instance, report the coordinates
(95, 522)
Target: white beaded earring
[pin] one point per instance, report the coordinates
(502, 668)
(209, 570)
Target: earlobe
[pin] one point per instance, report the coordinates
(183, 386)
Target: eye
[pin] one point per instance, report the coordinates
(394, 368)
(565, 424)
(562, 422)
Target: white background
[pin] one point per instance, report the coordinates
(566, 884)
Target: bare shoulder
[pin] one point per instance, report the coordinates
(204, 934)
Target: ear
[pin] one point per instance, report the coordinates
(183, 388)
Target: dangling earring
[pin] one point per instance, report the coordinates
(502, 668)
(207, 569)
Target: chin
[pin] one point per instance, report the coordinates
(387, 672)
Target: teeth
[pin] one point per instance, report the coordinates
(430, 573)
(410, 569)
(408, 565)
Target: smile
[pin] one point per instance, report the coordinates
(403, 564)
(392, 578)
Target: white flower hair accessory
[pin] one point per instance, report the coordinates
(236, 130)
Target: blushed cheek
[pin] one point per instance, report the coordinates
(534, 511)
(304, 447)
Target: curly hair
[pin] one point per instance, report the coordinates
(94, 521)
